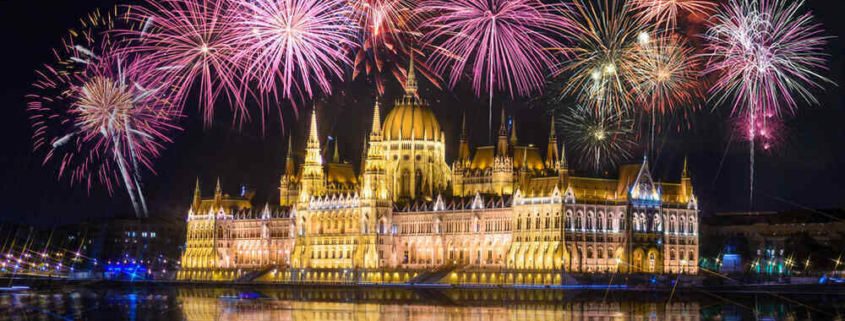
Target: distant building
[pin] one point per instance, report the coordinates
(501, 208)
(780, 239)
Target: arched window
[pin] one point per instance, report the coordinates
(589, 253)
(568, 220)
(518, 223)
(691, 228)
(600, 224)
(651, 262)
(557, 221)
(579, 221)
(548, 221)
(601, 253)
(589, 221)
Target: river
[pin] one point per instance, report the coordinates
(195, 303)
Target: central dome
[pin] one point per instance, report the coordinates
(411, 120)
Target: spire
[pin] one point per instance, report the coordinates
(313, 140)
(503, 128)
(411, 82)
(552, 131)
(513, 134)
(218, 190)
(289, 166)
(563, 155)
(502, 146)
(685, 173)
(552, 155)
(197, 197)
(336, 156)
(376, 120)
(218, 196)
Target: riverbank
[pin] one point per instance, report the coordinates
(809, 289)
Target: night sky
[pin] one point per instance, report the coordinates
(805, 172)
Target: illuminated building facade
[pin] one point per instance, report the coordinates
(410, 217)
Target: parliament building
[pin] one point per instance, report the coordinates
(502, 214)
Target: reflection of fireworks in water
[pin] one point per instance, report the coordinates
(764, 52)
(288, 44)
(507, 43)
(605, 48)
(94, 112)
(388, 30)
(664, 13)
(188, 43)
(601, 138)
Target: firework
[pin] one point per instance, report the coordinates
(766, 133)
(605, 48)
(506, 42)
(601, 138)
(765, 55)
(664, 13)
(665, 74)
(95, 112)
(292, 43)
(388, 30)
(189, 44)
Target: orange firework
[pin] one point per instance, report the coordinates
(665, 12)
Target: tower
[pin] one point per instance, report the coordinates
(686, 183)
(313, 178)
(463, 161)
(503, 162)
(195, 203)
(287, 183)
(552, 156)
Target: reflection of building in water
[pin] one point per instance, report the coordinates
(398, 304)
(408, 216)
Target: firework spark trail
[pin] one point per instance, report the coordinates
(387, 32)
(664, 13)
(599, 74)
(664, 76)
(509, 44)
(188, 43)
(765, 54)
(285, 45)
(601, 138)
(91, 112)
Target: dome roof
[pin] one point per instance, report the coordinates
(410, 119)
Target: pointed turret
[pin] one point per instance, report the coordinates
(552, 156)
(411, 82)
(463, 149)
(376, 130)
(195, 204)
(218, 196)
(313, 182)
(336, 155)
(502, 146)
(313, 135)
(686, 183)
(290, 167)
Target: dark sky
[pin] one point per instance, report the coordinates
(806, 171)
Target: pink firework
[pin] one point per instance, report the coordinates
(767, 133)
(286, 45)
(97, 113)
(664, 13)
(188, 44)
(509, 44)
(765, 55)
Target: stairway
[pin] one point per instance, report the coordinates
(255, 274)
(433, 276)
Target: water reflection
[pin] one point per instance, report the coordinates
(340, 304)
